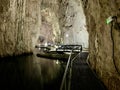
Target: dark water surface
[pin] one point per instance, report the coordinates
(30, 73)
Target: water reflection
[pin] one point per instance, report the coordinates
(30, 73)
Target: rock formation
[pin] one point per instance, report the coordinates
(104, 40)
(50, 22)
(73, 23)
(20, 22)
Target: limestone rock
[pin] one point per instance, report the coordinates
(20, 22)
(104, 58)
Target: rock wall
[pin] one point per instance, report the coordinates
(50, 27)
(73, 23)
(104, 40)
(19, 26)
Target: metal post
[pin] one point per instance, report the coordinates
(70, 76)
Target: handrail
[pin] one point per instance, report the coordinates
(65, 73)
(69, 84)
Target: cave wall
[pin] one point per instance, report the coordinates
(50, 27)
(104, 44)
(20, 22)
(73, 23)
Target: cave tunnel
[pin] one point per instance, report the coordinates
(25, 24)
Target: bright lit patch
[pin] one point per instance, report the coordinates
(46, 44)
(57, 62)
(109, 19)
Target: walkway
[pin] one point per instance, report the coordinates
(82, 76)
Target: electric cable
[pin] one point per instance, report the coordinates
(113, 54)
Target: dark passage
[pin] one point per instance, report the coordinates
(82, 76)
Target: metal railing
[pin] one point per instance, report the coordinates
(66, 85)
(65, 73)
